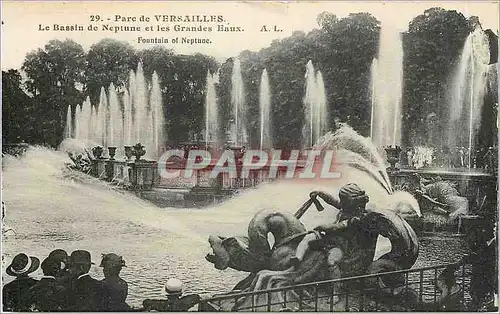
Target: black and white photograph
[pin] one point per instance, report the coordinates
(249, 156)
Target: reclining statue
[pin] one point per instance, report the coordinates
(440, 196)
(343, 248)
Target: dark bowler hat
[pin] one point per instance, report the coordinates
(59, 253)
(80, 257)
(22, 264)
(52, 265)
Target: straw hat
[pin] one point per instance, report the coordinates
(112, 260)
(22, 264)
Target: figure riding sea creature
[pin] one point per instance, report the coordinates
(342, 248)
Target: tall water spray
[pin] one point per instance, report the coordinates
(373, 71)
(129, 114)
(211, 113)
(239, 129)
(127, 118)
(69, 126)
(115, 135)
(78, 112)
(266, 141)
(315, 107)
(92, 123)
(321, 109)
(387, 89)
(84, 121)
(156, 105)
(100, 129)
(135, 116)
(468, 92)
(140, 105)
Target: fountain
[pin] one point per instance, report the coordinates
(266, 141)
(321, 109)
(118, 121)
(468, 92)
(157, 116)
(100, 130)
(76, 130)
(128, 100)
(140, 105)
(68, 129)
(115, 122)
(239, 129)
(211, 112)
(315, 107)
(387, 89)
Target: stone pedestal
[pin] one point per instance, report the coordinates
(99, 168)
(110, 170)
(142, 174)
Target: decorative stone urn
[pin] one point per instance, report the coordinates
(393, 153)
(128, 152)
(138, 151)
(97, 152)
(112, 152)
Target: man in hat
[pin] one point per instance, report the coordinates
(17, 296)
(48, 294)
(115, 289)
(85, 290)
(62, 275)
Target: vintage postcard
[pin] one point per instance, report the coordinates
(249, 156)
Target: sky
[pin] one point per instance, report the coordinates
(22, 22)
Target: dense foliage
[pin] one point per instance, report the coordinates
(62, 74)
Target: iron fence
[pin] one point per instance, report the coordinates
(435, 288)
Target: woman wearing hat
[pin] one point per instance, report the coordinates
(17, 295)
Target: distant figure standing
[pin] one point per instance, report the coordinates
(48, 294)
(17, 295)
(85, 290)
(115, 289)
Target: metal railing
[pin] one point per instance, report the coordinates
(435, 288)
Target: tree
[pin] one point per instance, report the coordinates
(17, 110)
(55, 76)
(108, 61)
(432, 48)
(185, 95)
